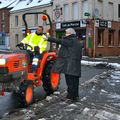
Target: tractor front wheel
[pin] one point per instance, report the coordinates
(26, 93)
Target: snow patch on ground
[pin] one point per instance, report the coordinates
(94, 63)
(114, 96)
(42, 119)
(48, 98)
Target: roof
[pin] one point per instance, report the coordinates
(13, 4)
(24, 4)
(6, 3)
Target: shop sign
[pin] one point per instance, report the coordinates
(97, 23)
(70, 24)
(31, 29)
(83, 23)
(58, 25)
(57, 13)
(109, 24)
(103, 23)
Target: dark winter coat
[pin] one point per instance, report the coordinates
(69, 56)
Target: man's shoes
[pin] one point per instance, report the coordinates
(74, 99)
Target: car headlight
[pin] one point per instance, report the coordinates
(3, 61)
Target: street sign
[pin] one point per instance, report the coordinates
(87, 14)
(58, 25)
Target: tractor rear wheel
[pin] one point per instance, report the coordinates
(50, 79)
(26, 93)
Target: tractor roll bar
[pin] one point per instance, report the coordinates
(26, 25)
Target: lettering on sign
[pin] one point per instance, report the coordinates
(70, 24)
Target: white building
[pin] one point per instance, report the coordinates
(17, 27)
(97, 24)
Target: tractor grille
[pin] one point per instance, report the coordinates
(16, 64)
(3, 70)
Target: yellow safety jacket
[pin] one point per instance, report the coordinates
(35, 40)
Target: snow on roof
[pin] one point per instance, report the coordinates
(39, 3)
(20, 5)
(13, 4)
(6, 3)
(23, 4)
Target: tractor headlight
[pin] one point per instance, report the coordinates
(3, 61)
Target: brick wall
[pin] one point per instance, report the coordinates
(5, 21)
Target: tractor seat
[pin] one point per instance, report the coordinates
(26, 53)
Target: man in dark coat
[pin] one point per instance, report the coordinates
(69, 62)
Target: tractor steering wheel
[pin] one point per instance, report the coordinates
(24, 46)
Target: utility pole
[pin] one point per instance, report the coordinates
(94, 34)
(94, 39)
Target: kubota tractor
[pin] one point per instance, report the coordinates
(16, 75)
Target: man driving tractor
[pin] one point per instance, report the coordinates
(38, 43)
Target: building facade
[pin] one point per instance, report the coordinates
(97, 24)
(4, 28)
(17, 26)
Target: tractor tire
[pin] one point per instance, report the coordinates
(50, 79)
(26, 93)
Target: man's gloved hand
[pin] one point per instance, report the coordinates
(45, 37)
(20, 45)
(37, 50)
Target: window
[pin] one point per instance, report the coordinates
(36, 19)
(16, 39)
(111, 9)
(119, 37)
(100, 37)
(66, 12)
(3, 27)
(2, 39)
(84, 7)
(16, 20)
(75, 9)
(100, 7)
(111, 38)
(119, 10)
(3, 16)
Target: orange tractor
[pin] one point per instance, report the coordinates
(16, 75)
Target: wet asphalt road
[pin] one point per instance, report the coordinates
(9, 102)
